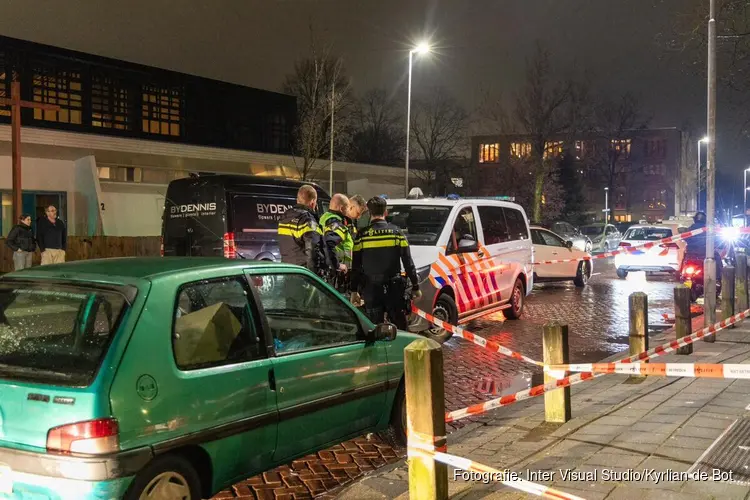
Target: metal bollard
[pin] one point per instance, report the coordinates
(727, 297)
(740, 283)
(638, 326)
(555, 346)
(425, 417)
(683, 322)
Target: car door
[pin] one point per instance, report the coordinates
(542, 253)
(557, 250)
(329, 382)
(612, 236)
(494, 236)
(463, 258)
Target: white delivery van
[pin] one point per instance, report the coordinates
(473, 257)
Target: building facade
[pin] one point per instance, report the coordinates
(123, 131)
(648, 173)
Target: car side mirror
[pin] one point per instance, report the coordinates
(568, 244)
(384, 331)
(468, 246)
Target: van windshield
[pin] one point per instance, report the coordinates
(421, 224)
(56, 334)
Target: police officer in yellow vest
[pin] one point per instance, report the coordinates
(338, 239)
(300, 236)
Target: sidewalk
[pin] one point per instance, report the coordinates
(660, 423)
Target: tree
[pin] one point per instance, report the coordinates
(439, 127)
(320, 86)
(376, 131)
(571, 184)
(614, 123)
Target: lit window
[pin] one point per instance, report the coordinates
(109, 104)
(489, 153)
(62, 88)
(621, 146)
(161, 110)
(520, 149)
(584, 149)
(553, 149)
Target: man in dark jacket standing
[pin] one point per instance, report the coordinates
(21, 241)
(52, 236)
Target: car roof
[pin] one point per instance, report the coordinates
(444, 202)
(135, 268)
(649, 226)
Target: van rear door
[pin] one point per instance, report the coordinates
(254, 219)
(194, 218)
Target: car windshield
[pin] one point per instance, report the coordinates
(421, 224)
(648, 233)
(592, 230)
(56, 334)
(561, 228)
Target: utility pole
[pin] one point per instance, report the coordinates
(333, 110)
(709, 265)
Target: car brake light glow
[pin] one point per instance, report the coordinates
(623, 244)
(230, 249)
(98, 436)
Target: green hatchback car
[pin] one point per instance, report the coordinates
(172, 378)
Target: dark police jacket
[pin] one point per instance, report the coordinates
(300, 238)
(379, 251)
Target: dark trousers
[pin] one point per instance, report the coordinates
(381, 300)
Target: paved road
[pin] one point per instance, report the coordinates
(598, 327)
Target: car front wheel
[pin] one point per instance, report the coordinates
(516, 300)
(445, 310)
(168, 477)
(583, 274)
(396, 433)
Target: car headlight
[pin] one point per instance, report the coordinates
(423, 273)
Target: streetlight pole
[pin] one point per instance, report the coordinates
(422, 48)
(698, 183)
(709, 265)
(606, 205)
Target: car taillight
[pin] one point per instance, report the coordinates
(623, 244)
(161, 244)
(668, 245)
(98, 436)
(230, 250)
(691, 270)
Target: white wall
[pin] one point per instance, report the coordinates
(39, 174)
(369, 189)
(132, 210)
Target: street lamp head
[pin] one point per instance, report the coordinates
(606, 189)
(422, 48)
(705, 140)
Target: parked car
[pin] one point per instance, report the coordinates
(604, 237)
(666, 257)
(571, 233)
(550, 246)
(473, 256)
(121, 377)
(231, 215)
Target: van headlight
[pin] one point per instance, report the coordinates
(423, 273)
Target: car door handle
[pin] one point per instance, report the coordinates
(271, 379)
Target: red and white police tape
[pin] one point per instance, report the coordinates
(621, 250)
(697, 370)
(473, 338)
(484, 473)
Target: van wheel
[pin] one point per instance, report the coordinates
(622, 274)
(583, 275)
(170, 476)
(516, 301)
(396, 433)
(445, 310)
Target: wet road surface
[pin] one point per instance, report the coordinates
(597, 318)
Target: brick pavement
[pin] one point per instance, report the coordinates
(661, 424)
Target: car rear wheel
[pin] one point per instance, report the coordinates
(516, 301)
(583, 274)
(622, 274)
(445, 310)
(170, 477)
(588, 247)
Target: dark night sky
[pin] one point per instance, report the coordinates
(482, 43)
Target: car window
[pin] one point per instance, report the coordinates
(516, 224)
(648, 233)
(56, 334)
(610, 230)
(421, 224)
(551, 240)
(493, 225)
(303, 315)
(536, 237)
(213, 325)
(465, 228)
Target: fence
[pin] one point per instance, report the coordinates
(425, 407)
(93, 247)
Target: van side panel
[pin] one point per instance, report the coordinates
(194, 218)
(254, 219)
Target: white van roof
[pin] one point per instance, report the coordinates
(445, 202)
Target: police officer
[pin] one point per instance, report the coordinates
(338, 239)
(300, 236)
(379, 252)
(357, 213)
